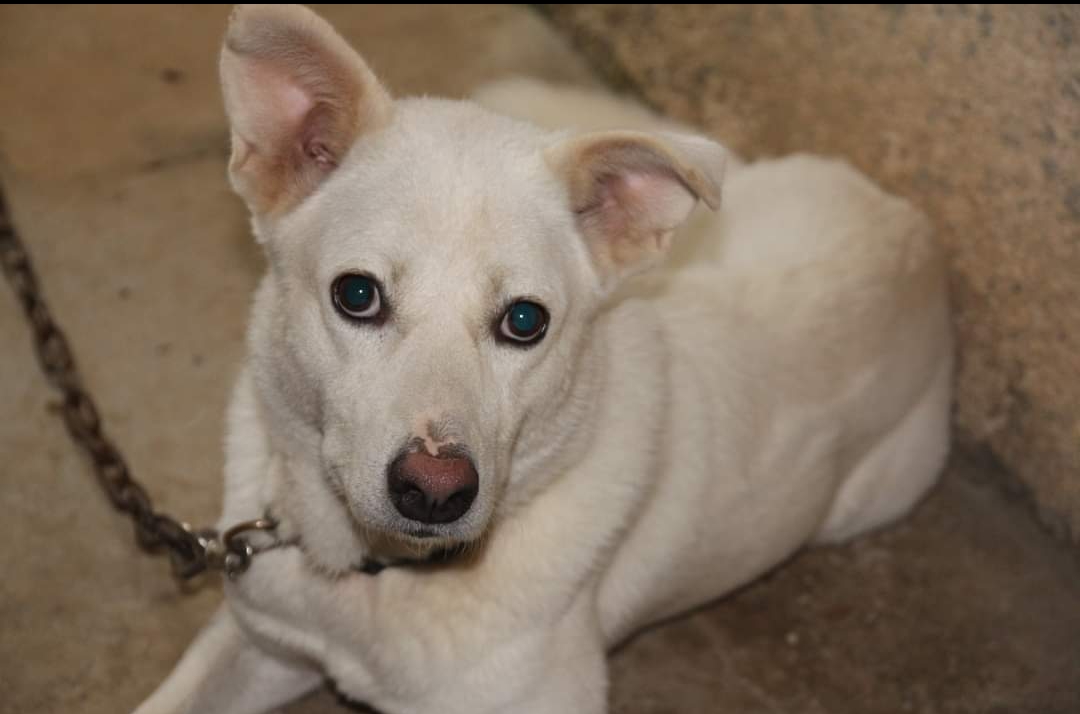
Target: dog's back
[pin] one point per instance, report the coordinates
(810, 360)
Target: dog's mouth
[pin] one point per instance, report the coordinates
(413, 547)
(410, 542)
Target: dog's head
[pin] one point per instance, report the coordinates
(434, 273)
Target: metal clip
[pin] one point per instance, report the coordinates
(237, 551)
(229, 553)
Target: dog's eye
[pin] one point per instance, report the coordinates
(524, 322)
(357, 296)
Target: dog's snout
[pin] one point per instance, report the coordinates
(432, 489)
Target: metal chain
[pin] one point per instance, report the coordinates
(191, 552)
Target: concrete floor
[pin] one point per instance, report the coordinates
(111, 154)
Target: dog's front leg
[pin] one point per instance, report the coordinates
(573, 675)
(574, 671)
(388, 640)
(223, 672)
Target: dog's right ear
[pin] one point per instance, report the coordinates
(298, 96)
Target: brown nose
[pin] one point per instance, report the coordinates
(432, 489)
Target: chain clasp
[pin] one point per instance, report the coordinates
(229, 553)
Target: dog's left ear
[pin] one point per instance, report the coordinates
(298, 97)
(630, 191)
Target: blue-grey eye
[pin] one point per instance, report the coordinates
(524, 322)
(357, 296)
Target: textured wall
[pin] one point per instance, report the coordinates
(971, 111)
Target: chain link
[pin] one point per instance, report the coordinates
(188, 550)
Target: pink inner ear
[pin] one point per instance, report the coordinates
(295, 104)
(653, 198)
(276, 104)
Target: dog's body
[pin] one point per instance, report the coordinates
(783, 379)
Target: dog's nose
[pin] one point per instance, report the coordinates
(432, 489)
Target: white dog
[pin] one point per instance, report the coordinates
(472, 344)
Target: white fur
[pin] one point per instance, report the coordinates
(783, 379)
